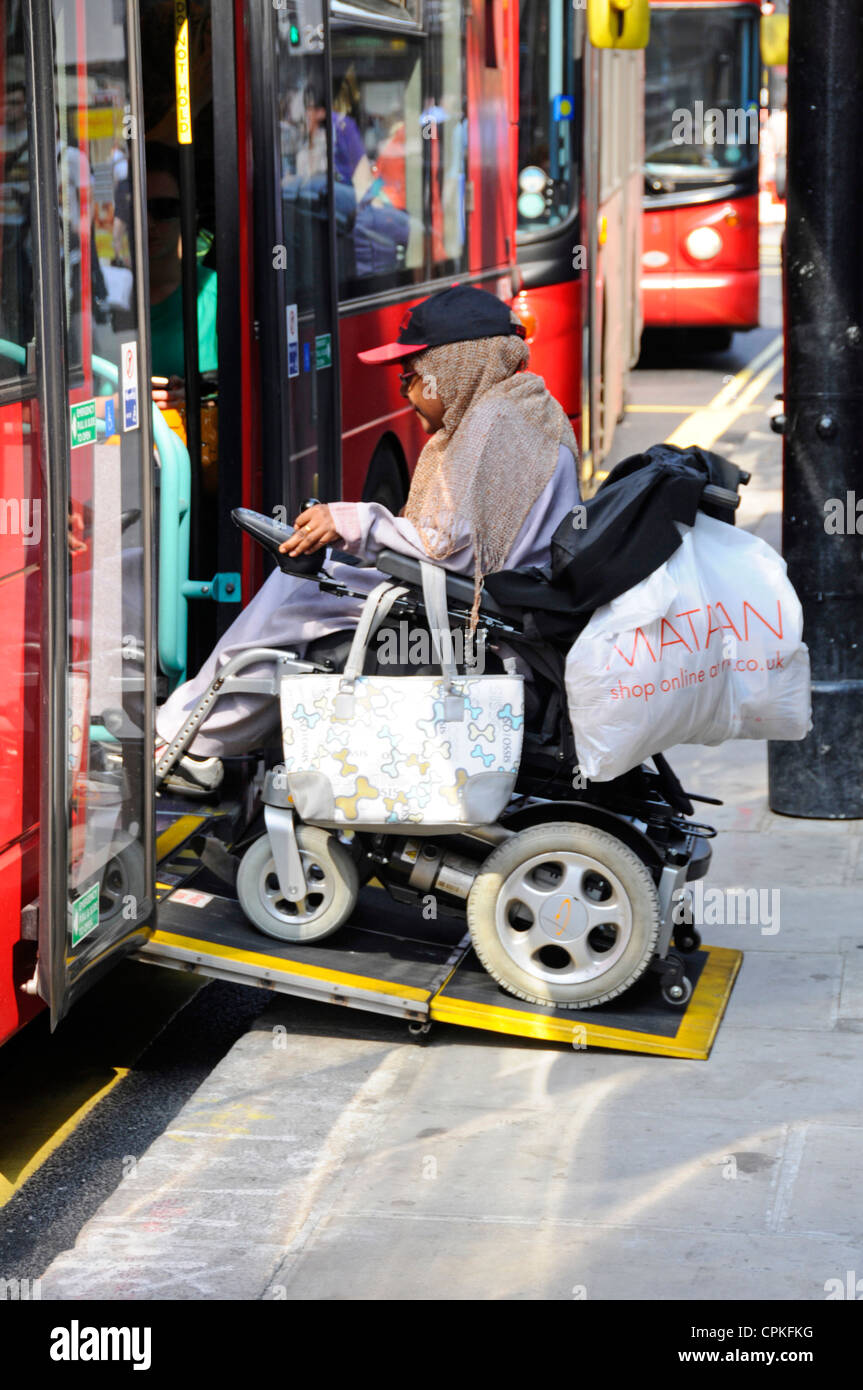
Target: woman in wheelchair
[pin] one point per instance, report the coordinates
(495, 479)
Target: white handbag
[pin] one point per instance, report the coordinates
(376, 750)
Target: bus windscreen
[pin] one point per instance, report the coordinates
(701, 97)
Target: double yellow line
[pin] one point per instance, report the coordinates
(708, 424)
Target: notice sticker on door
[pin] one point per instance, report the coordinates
(293, 341)
(110, 424)
(85, 914)
(129, 383)
(82, 424)
(323, 351)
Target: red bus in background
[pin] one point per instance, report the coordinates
(580, 151)
(700, 254)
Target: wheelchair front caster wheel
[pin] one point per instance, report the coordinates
(332, 886)
(679, 993)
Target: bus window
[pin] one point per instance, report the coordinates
(16, 263)
(713, 56)
(548, 116)
(377, 116)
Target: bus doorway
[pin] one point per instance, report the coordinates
(245, 178)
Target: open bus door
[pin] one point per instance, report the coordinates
(92, 415)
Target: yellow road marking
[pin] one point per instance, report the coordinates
(9, 1186)
(51, 1083)
(731, 390)
(705, 426)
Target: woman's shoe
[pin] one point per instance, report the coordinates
(192, 776)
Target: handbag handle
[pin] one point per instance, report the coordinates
(375, 609)
(434, 598)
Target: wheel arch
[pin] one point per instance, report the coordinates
(589, 814)
(387, 474)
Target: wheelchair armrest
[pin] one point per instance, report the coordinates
(458, 589)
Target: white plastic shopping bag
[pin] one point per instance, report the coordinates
(707, 648)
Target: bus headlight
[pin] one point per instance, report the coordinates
(703, 244)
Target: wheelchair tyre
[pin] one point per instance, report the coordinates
(564, 914)
(331, 878)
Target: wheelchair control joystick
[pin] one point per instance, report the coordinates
(270, 534)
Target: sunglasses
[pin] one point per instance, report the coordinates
(405, 379)
(163, 209)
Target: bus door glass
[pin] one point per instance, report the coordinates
(108, 743)
(297, 276)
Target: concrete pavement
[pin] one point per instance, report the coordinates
(327, 1157)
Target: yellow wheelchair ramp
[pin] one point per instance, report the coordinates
(638, 1021)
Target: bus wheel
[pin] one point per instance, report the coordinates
(386, 479)
(124, 880)
(332, 885)
(564, 914)
(711, 339)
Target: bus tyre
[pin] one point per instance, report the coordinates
(564, 914)
(332, 885)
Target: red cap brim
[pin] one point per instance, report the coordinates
(391, 352)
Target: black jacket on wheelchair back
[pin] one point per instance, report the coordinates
(627, 529)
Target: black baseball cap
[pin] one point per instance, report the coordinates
(455, 315)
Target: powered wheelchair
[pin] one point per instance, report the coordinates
(570, 896)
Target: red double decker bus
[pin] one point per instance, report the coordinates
(338, 163)
(700, 253)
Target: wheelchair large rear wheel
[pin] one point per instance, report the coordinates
(332, 884)
(564, 914)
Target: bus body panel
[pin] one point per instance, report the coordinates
(553, 313)
(20, 674)
(681, 293)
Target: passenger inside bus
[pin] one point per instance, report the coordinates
(491, 485)
(381, 224)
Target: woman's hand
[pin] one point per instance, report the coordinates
(169, 392)
(313, 529)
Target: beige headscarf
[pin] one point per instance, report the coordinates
(496, 450)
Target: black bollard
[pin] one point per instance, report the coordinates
(822, 530)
